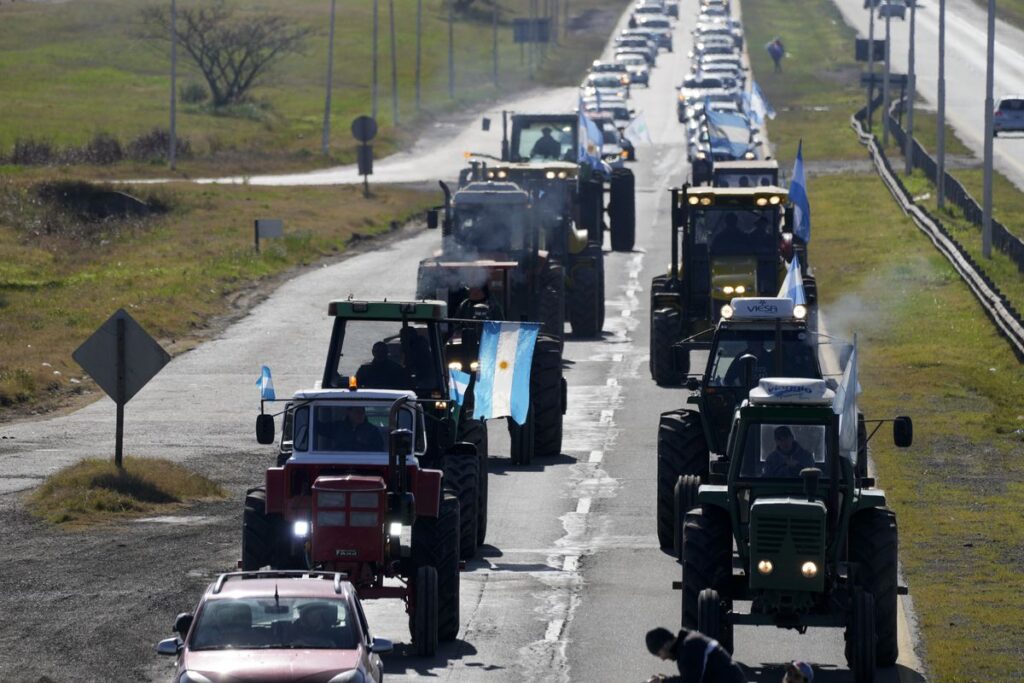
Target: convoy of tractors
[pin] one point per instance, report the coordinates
(762, 493)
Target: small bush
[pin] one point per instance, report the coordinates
(103, 149)
(32, 153)
(193, 93)
(153, 146)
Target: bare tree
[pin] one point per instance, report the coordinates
(231, 52)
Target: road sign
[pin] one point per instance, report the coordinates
(122, 358)
(531, 30)
(268, 227)
(861, 50)
(364, 128)
(895, 80)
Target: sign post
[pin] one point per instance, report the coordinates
(364, 129)
(121, 357)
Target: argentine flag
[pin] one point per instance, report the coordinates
(458, 385)
(503, 380)
(757, 105)
(793, 285)
(266, 384)
(845, 406)
(637, 130)
(590, 140)
(798, 195)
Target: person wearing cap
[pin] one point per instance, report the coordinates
(700, 659)
(546, 146)
(798, 672)
(789, 457)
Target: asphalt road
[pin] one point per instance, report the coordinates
(571, 576)
(965, 69)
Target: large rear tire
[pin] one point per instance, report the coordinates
(706, 560)
(665, 333)
(462, 477)
(423, 620)
(522, 440)
(546, 396)
(586, 300)
(475, 432)
(622, 209)
(259, 532)
(435, 543)
(682, 450)
(874, 546)
(860, 638)
(551, 305)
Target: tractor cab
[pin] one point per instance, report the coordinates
(745, 173)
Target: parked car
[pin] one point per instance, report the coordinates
(276, 625)
(1009, 115)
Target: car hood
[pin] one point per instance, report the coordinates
(264, 666)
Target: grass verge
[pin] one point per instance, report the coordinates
(95, 491)
(173, 273)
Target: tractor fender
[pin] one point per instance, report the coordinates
(427, 492)
(277, 490)
(462, 448)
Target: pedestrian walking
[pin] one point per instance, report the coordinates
(776, 50)
(700, 659)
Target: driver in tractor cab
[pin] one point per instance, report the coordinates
(359, 435)
(382, 372)
(789, 457)
(546, 145)
(478, 304)
(418, 359)
(736, 374)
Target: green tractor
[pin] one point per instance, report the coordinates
(493, 265)
(755, 338)
(815, 544)
(725, 242)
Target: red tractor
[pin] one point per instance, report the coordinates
(351, 496)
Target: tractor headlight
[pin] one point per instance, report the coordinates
(395, 529)
(502, 174)
(728, 289)
(702, 155)
(727, 311)
(441, 405)
(774, 199)
(490, 174)
(761, 201)
(748, 155)
(705, 201)
(693, 200)
(563, 175)
(809, 570)
(455, 365)
(799, 311)
(474, 366)
(549, 175)
(300, 529)
(765, 567)
(740, 289)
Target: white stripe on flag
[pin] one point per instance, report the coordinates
(504, 371)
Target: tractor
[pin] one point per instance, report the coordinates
(725, 242)
(493, 265)
(354, 496)
(745, 173)
(815, 544)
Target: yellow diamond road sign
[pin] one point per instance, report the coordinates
(143, 356)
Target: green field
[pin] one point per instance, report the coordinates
(73, 69)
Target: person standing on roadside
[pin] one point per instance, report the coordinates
(776, 50)
(700, 659)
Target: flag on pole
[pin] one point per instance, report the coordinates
(458, 385)
(757, 105)
(590, 139)
(266, 384)
(637, 130)
(845, 406)
(798, 195)
(793, 286)
(503, 380)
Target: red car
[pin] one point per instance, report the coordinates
(276, 626)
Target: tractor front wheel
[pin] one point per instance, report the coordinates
(682, 450)
(664, 333)
(860, 637)
(475, 432)
(712, 619)
(259, 532)
(424, 613)
(706, 559)
(874, 546)
(461, 476)
(685, 500)
(435, 543)
(586, 300)
(551, 305)
(546, 396)
(622, 209)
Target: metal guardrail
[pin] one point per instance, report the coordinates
(1006, 318)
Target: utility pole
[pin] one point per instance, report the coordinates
(373, 58)
(172, 145)
(494, 44)
(531, 34)
(871, 60)
(940, 134)
(451, 49)
(394, 64)
(885, 83)
(908, 151)
(419, 61)
(325, 144)
(986, 215)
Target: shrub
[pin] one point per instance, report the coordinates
(193, 93)
(32, 153)
(103, 149)
(152, 146)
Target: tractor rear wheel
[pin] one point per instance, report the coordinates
(657, 287)
(475, 432)
(546, 396)
(682, 450)
(685, 500)
(874, 546)
(435, 543)
(259, 532)
(586, 301)
(462, 478)
(551, 302)
(664, 333)
(860, 637)
(712, 620)
(591, 205)
(622, 209)
(706, 559)
(521, 439)
(423, 620)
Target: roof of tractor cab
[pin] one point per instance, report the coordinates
(748, 164)
(425, 309)
(391, 395)
(791, 391)
(561, 116)
(489, 192)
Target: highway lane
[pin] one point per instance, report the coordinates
(571, 575)
(965, 69)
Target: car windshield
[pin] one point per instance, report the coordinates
(655, 23)
(702, 83)
(780, 451)
(605, 80)
(798, 356)
(610, 135)
(270, 623)
(546, 140)
(633, 59)
(1012, 105)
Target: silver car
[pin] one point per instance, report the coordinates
(1009, 115)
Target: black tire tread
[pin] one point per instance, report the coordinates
(706, 559)
(664, 333)
(462, 477)
(546, 396)
(874, 544)
(435, 542)
(682, 450)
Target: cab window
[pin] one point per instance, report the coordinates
(780, 451)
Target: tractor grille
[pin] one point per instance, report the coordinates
(771, 532)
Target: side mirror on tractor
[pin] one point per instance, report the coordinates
(903, 431)
(692, 383)
(265, 429)
(432, 219)
(401, 443)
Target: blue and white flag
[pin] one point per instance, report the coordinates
(637, 130)
(793, 286)
(458, 385)
(798, 195)
(503, 380)
(266, 384)
(589, 136)
(757, 105)
(845, 406)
